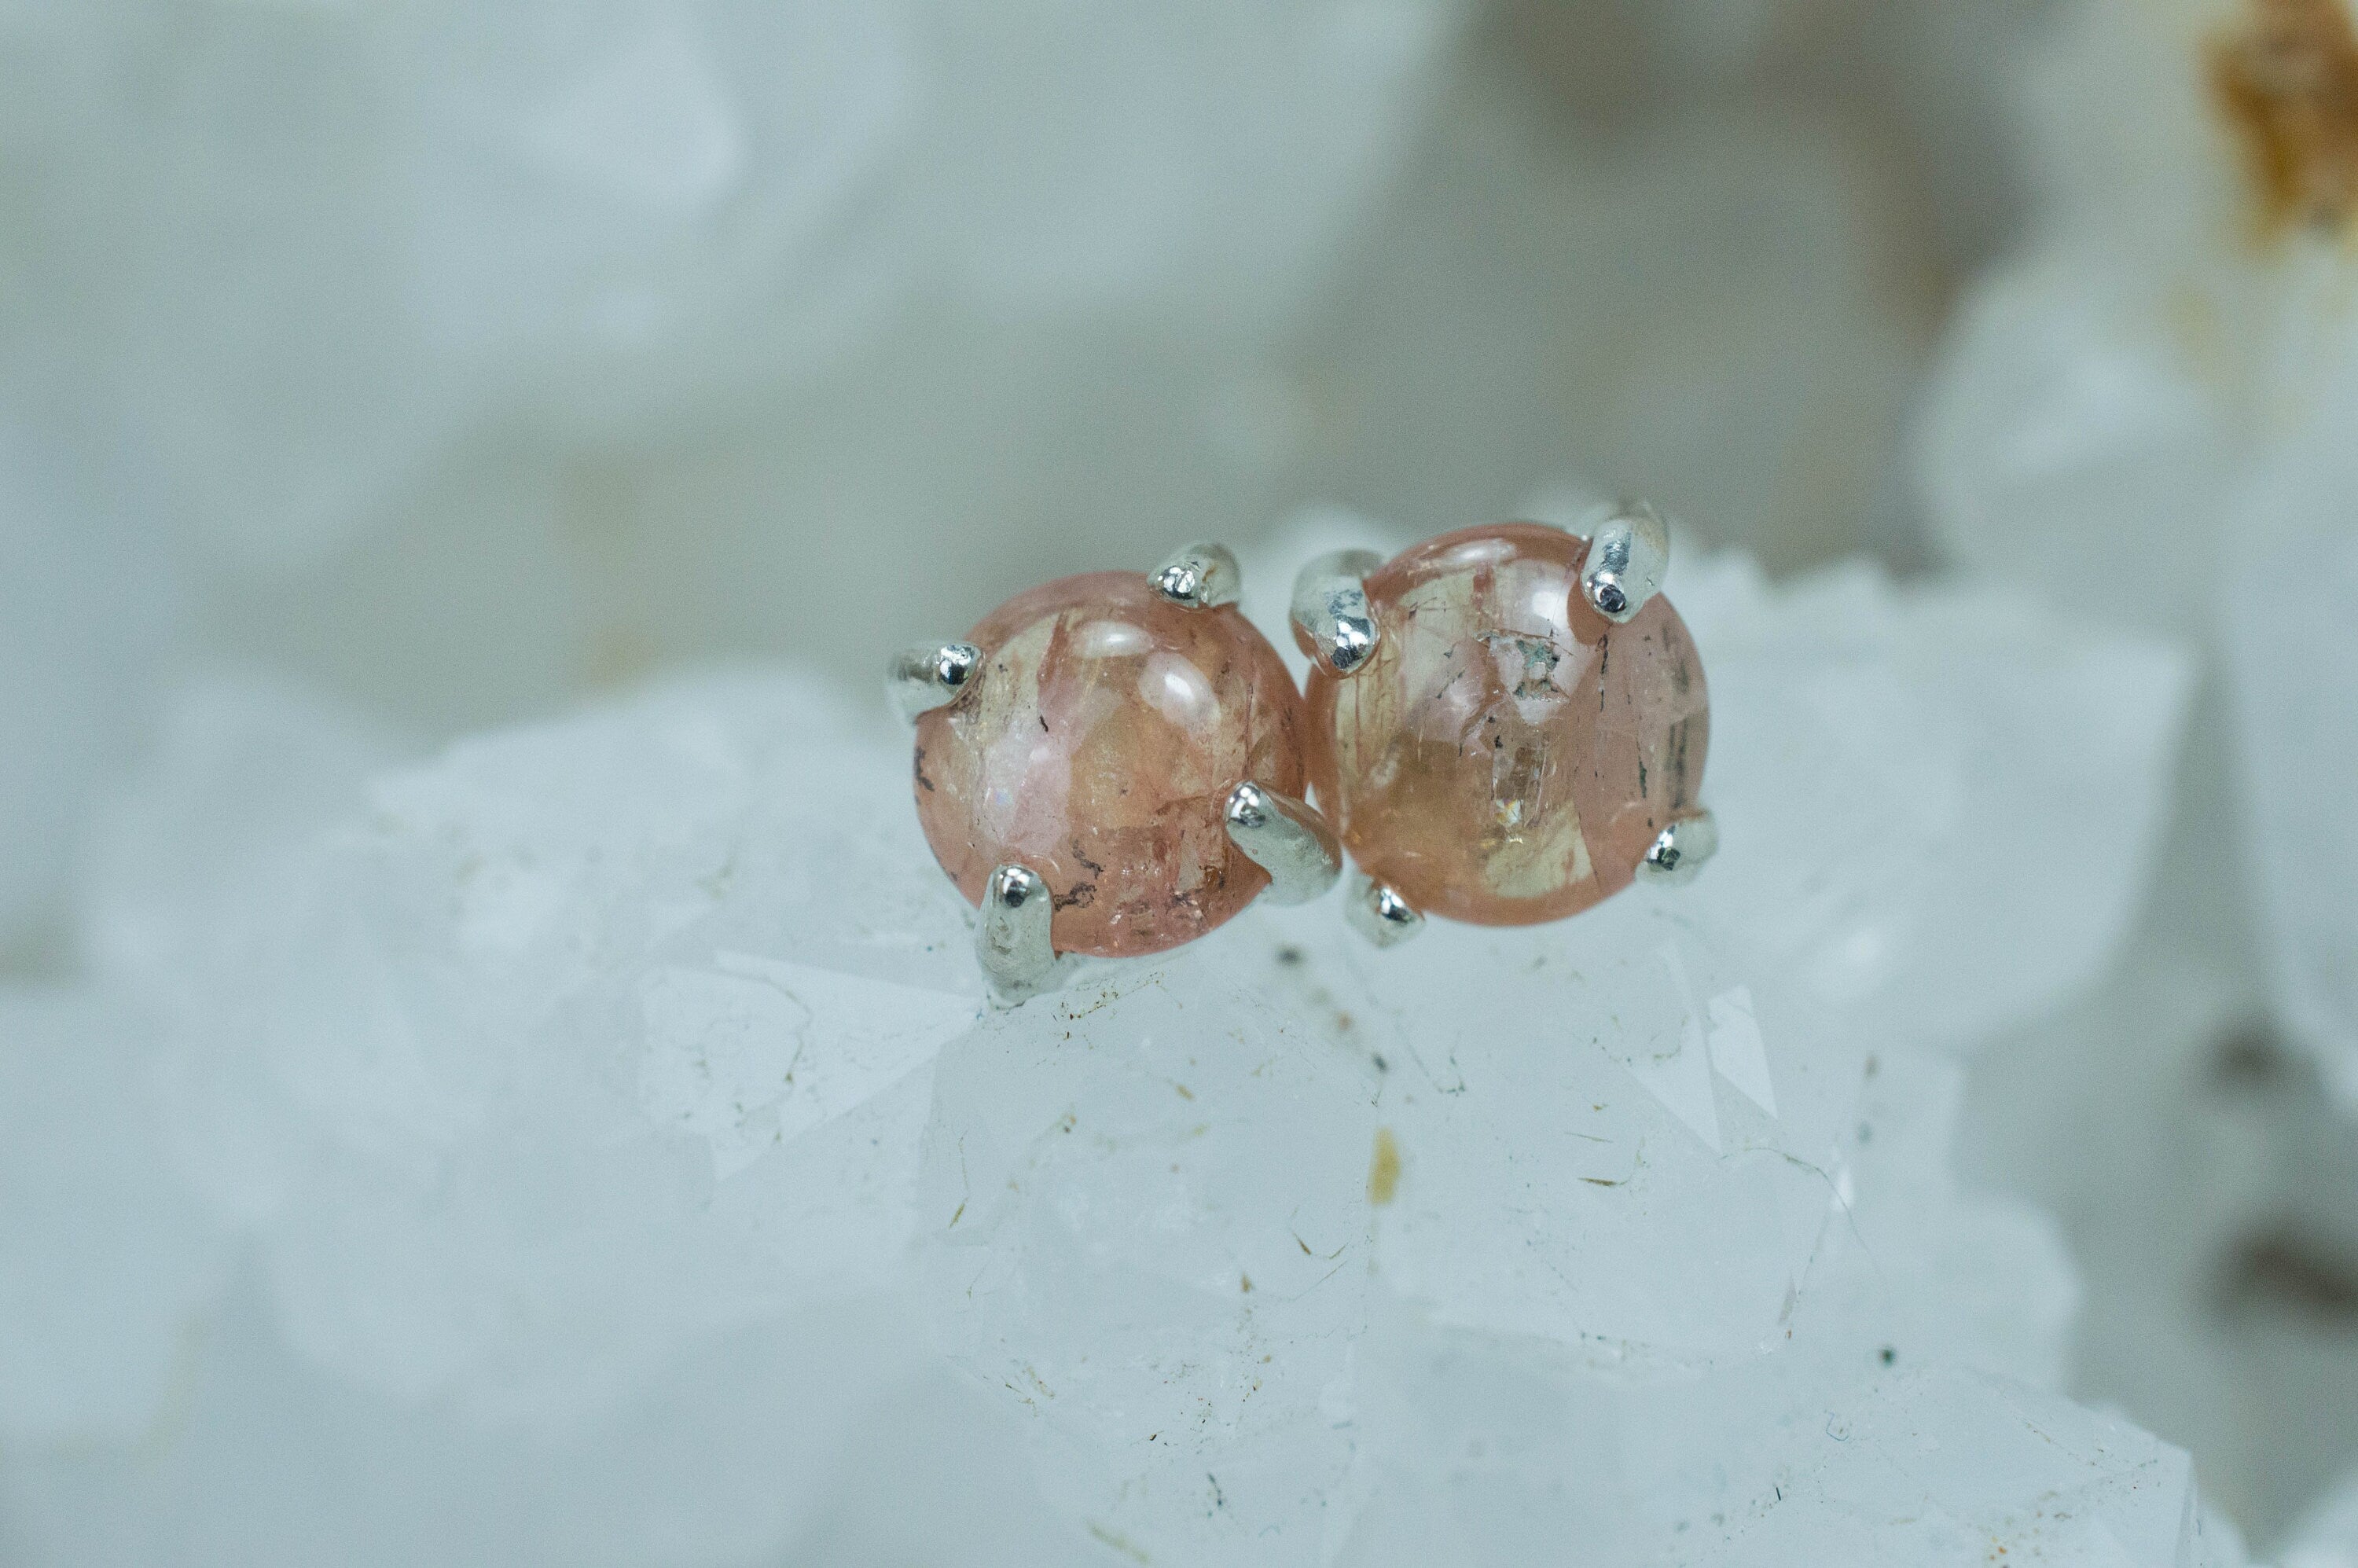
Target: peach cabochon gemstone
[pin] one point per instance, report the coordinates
(1507, 755)
(1098, 746)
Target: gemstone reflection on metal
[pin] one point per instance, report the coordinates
(1378, 914)
(1012, 940)
(1679, 852)
(1201, 576)
(1331, 617)
(1628, 555)
(1287, 838)
(930, 676)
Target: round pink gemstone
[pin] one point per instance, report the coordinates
(1507, 755)
(1096, 747)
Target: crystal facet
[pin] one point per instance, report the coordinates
(1097, 745)
(1507, 755)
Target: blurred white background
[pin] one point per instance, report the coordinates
(443, 365)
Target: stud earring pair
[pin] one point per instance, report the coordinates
(1502, 725)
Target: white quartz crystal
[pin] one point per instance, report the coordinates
(565, 1094)
(2296, 682)
(827, 1434)
(2004, 777)
(660, 974)
(105, 1255)
(2143, 415)
(2146, 413)
(597, 217)
(2327, 1536)
(589, 1143)
(244, 769)
(1236, 1229)
(85, 606)
(2151, 376)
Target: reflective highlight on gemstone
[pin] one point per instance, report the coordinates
(1507, 755)
(1097, 745)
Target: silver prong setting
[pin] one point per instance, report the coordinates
(1199, 577)
(931, 675)
(1628, 555)
(1332, 619)
(1286, 838)
(1679, 852)
(1377, 911)
(1012, 940)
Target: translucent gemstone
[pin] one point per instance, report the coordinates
(1098, 746)
(1507, 754)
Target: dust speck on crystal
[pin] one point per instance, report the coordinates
(1383, 1168)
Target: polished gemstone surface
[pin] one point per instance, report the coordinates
(1096, 746)
(1507, 754)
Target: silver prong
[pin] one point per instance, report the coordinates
(1379, 912)
(1199, 577)
(1012, 941)
(1679, 852)
(923, 678)
(1287, 838)
(1629, 552)
(1332, 619)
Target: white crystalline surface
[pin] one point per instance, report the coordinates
(2148, 370)
(592, 1146)
(2147, 412)
(2296, 672)
(104, 1256)
(82, 607)
(602, 215)
(554, 1057)
(2003, 778)
(566, 1095)
(1607, 1290)
(2327, 1536)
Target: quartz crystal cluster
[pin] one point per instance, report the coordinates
(592, 1145)
(2328, 1537)
(639, 209)
(2146, 411)
(2143, 413)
